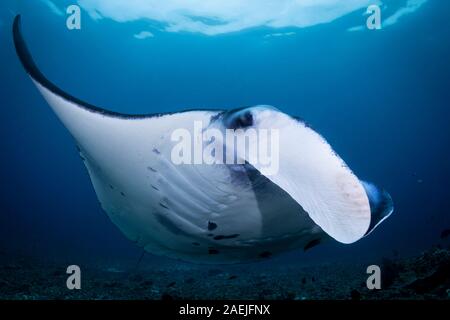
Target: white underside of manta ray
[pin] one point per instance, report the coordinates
(214, 213)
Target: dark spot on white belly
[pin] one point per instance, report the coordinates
(211, 225)
(163, 205)
(221, 237)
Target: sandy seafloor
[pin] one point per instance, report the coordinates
(424, 276)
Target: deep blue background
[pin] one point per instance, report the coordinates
(381, 98)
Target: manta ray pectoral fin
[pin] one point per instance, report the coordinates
(43, 83)
(317, 179)
(381, 205)
(83, 120)
(93, 126)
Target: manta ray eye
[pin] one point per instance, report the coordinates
(240, 120)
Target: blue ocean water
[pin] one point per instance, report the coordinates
(381, 98)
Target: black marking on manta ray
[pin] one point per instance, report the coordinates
(211, 225)
(151, 169)
(216, 117)
(156, 151)
(311, 244)
(164, 206)
(302, 121)
(213, 251)
(31, 68)
(244, 121)
(111, 187)
(122, 194)
(221, 237)
(210, 234)
(225, 113)
(265, 254)
(155, 188)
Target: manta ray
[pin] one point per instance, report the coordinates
(217, 213)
